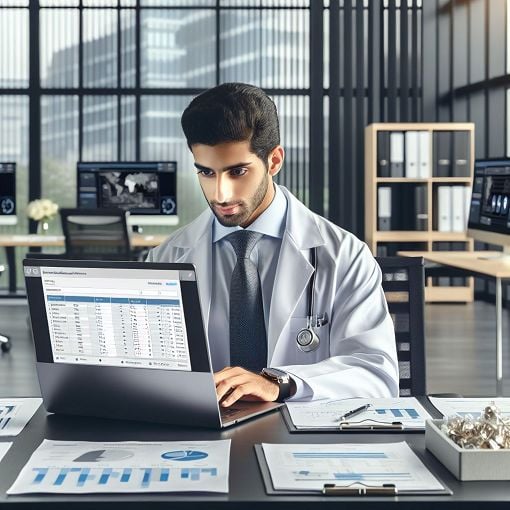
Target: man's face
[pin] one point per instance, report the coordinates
(236, 184)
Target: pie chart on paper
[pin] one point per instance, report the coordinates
(184, 455)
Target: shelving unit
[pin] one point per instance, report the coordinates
(416, 240)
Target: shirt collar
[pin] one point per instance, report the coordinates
(270, 223)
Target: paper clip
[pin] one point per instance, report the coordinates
(387, 489)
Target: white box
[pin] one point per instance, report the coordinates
(464, 464)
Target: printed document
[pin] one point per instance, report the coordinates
(15, 413)
(473, 406)
(89, 467)
(328, 413)
(307, 467)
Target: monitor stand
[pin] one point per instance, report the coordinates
(503, 256)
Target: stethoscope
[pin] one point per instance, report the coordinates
(307, 339)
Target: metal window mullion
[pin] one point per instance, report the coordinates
(348, 176)
(404, 47)
(391, 115)
(316, 184)
(138, 63)
(34, 98)
(375, 55)
(486, 89)
(119, 84)
(429, 61)
(414, 62)
(357, 209)
(80, 82)
(218, 42)
(335, 165)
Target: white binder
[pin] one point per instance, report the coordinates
(424, 166)
(411, 153)
(444, 208)
(458, 205)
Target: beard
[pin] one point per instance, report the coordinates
(246, 208)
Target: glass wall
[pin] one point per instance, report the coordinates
(107, 80)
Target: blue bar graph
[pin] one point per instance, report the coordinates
(5, 411)
(145, 477)
(339, 455)
(400, 413)
(126, 475)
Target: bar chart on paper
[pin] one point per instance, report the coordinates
(328, 413)
(396, 413)
(305, 467)
(15, 413)
(82, 467)
(344, 460)
(142, 477)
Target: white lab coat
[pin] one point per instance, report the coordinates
(357, 352)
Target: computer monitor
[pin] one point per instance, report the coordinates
(489, 214)
(8, 194)
(148, 190)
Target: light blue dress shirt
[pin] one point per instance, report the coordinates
(271, 223)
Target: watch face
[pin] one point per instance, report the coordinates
(276, 373)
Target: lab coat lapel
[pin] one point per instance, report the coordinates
(196, 243)
(292, 275)
(294, 269)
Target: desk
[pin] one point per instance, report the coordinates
(477, 263)
(10, 242)
(246, 486)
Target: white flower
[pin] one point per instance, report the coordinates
(42, 209)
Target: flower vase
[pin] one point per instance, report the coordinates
(42, 227)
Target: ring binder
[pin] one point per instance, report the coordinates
(387, 489)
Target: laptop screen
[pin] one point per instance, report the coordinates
(122, 314)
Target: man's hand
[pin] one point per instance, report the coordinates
(236, 383)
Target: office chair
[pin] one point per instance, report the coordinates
(96, 234)
(5, 341)
(403, 284)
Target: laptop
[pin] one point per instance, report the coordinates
(125, 340)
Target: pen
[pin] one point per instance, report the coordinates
(354, 412)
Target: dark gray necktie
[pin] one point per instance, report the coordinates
(248, 343)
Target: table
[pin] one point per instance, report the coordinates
(246, 486)
(10, 242)
(486, 264)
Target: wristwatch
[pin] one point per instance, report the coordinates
(281, 378)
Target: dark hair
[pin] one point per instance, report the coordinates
(233, 112)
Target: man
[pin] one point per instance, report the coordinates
(253, 250)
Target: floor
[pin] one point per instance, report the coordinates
(461, 350)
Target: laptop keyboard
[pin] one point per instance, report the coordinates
(229, 412)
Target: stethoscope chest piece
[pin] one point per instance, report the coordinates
(307, 340)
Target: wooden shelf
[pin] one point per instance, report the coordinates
(448, 294)
(424, 239)
(442, 180)
(411, 236)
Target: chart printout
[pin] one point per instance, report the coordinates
(307, 467)
(472, 406)
(15, 413)
(81, 467)
(120, 317)
(327, 413)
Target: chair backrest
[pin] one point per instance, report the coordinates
(403, 284)
(96, 234)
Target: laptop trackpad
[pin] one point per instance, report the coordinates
(242, 410)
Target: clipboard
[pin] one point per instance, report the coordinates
(386, 490)
(394, 427)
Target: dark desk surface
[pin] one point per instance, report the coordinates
(246, 485)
